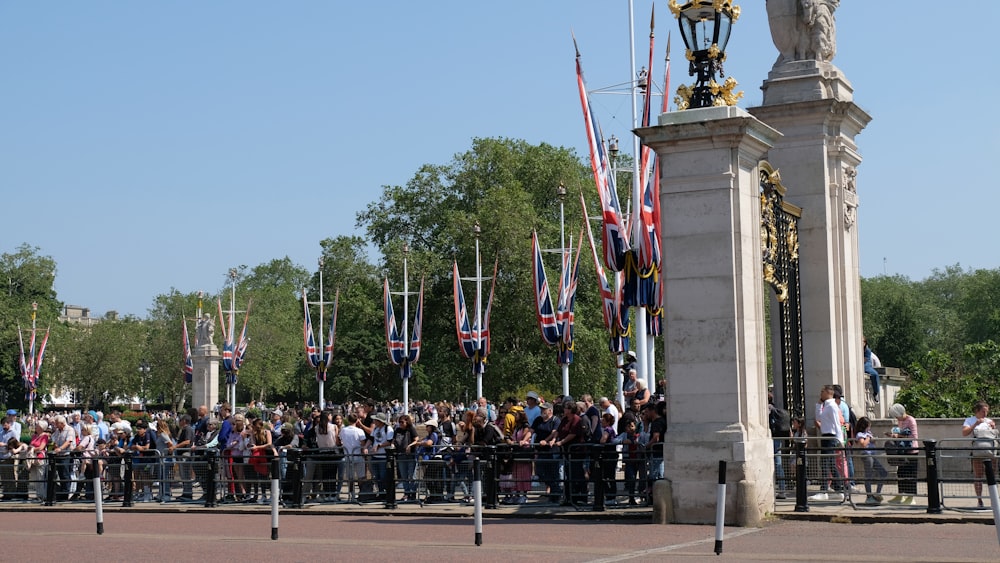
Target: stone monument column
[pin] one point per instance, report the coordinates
(714, 327)
(205, 357)
(810, 101)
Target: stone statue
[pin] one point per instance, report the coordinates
(206, 330)
(803, 29)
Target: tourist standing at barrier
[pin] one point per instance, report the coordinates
(64, 440)
(632, 454)
(568, 436)
(906, 473)
(983, 431)
(848, 425)
(6, 459)
(547, 457)
(382, 436)
(84, 452)
(608, 458)
(828, 419)
(181, 451)
(873, 467)
(14, 424)
(405, 440)
(233, 457)
(327, 435)
(642, 394)
(533, 407)
(144, 462)
(428, 458)
(164, 444)
(657, 435)
(37, 466)
(261, 451)
(355, 445)
(779, 423)
(520, 442)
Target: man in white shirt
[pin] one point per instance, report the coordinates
(352, 439)
(609, 407)
(828, 421)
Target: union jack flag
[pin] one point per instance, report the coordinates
(331, 337)
(393, 336)
(615, 242)
(415, 338)
(188, 361)
(547, 322)
(233, 350)
(474, 342)
(312, 352)
(616, 319)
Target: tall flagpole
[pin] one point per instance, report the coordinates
(479, 317)
(562, 276)
(406, 327)
(321, 383)
(640, 312)
(232, 317)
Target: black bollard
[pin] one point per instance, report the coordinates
(390, 477)
(477, 494)
(127, 480)
(933, 490)
(801, 503)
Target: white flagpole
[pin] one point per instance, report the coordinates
(322, 339)
(406, 333)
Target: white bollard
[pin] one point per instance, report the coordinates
(99, 504)
(275, 494)
(720, 509)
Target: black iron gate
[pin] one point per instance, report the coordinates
(779, 243)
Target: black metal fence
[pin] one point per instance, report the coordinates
(582, 477)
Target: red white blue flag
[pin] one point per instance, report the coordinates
(188, 361)
(616, 319)
(309, 338)
(544, 310)
(331, 337)
(473, 339)
(615, 241)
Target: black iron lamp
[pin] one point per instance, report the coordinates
(705, 27)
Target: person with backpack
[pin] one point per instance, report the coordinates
(849, 421)
(779, 422)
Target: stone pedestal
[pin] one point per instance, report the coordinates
(714, 327)
(811, 103)
(205, 381)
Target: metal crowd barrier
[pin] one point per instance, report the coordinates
(583, 476)
(942, 474)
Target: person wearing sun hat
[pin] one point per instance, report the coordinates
(382, 436)
(14, 425)
(532, 407)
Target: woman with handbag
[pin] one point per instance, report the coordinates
(983, 431)
(906, 472)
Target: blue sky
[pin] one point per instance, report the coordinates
(153, 145)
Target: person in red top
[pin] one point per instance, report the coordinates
(569, 435)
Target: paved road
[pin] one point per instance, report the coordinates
(142, 536)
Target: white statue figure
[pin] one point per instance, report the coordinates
(803, 29)
(206, 330)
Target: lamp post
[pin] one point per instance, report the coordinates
(144, 369)
(705, 26)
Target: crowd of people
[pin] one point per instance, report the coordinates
(344, 446)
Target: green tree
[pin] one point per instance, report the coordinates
(28, 277)
(892, 320)
(946, 385)
(508, 187)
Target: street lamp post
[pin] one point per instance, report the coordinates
(144, 369)
(705, 26)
